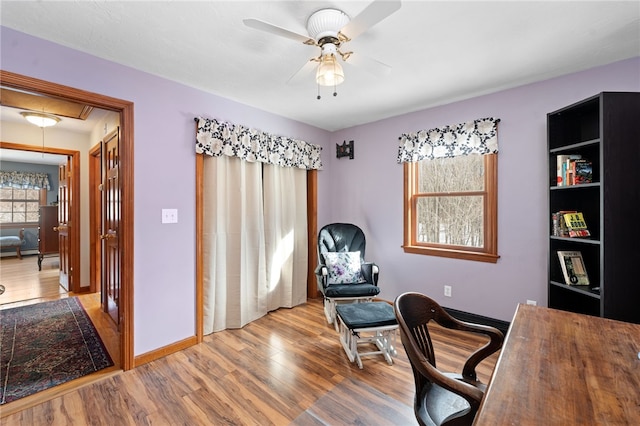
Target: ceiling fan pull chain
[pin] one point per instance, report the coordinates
(335, 91)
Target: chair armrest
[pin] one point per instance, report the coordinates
(322, 274)
(471, 393)
(496, 338)
(370, 272)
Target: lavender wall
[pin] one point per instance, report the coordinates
(164, 255)
(368, 191)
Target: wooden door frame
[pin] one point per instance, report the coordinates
(95, 245)
(125, 109)
(75, 207)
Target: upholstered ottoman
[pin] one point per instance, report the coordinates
(372, 323)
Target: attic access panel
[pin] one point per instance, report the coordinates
(33, 102)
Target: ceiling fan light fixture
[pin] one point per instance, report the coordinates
(329, 72)
(326, 22)
(40, 119)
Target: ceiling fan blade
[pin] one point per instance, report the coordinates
(274, 29)
(371, 65)
(303, 72)
(371, 15)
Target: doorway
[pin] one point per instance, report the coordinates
(125, 109)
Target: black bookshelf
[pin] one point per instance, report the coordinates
(604, 129)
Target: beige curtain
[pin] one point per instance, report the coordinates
(285, 213)
(235, 286)
(255, 240)
(255, 221)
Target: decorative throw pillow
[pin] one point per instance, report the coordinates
(344, 267)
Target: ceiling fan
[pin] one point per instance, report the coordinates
(329, 29)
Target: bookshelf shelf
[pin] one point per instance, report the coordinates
(584, 290)
(576, 240)
(575, 187)
(574, 146)
(602, 129)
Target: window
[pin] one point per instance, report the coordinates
(450, 207)
(20, 205)
(451, 191)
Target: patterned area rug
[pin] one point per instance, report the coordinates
(45, 345)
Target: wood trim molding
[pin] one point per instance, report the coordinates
(125, 109)
(312, 230)
(165, 350)
(199, 247)
(95, 154)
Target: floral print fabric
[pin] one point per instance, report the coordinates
(216, 138)
(343, 267)
(24, 180)
(474, 137)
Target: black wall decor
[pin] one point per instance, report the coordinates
(345, 150)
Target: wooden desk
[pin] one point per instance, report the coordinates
(561, 368)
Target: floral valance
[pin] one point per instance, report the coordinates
(218, 138)
(24, 180)
(474, 137)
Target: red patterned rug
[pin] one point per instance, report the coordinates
(45, 345)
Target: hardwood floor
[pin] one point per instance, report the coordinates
(25, 285)
(287, 368)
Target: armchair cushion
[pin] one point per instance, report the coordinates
(350, 290)
(343, 267)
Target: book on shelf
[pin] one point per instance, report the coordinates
(582, 171)
(573, 268)
(576, 225)
(573, 170)
(564, 169)
(559, 228)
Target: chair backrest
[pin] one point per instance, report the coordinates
(414, 311)
(340, 237)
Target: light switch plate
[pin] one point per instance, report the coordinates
(169, 215)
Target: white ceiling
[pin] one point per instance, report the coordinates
(31, 157)
(440, 51)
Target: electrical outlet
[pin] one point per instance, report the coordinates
(169, 215)
(532, 303)
(447, 290)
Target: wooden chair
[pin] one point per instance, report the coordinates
(441, 398)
